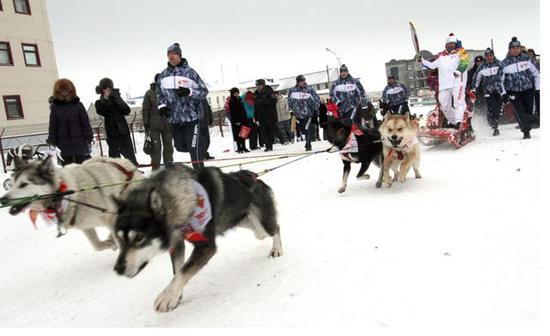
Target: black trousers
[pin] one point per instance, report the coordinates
(307, 128)
(523, 108)
(67, 159)
(189, 138)
(162, 144)
(494, 108)
(269, 130)
(122, 145)
(253, 137)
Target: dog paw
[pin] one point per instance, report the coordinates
(168, 300)
(276, 252)
(363, 177)
(418, 176)
(342, 189)
(402, 178)
(379, 184)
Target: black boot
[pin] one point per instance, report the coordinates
(496, 132)
(526, 135)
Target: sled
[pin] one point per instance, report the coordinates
(435, 132)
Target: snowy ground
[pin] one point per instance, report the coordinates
(458, 247)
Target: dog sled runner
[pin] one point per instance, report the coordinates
(435, 132)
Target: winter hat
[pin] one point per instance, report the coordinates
(391, 77)
(343, 67)
(157, 76)
(260, 81)
(300, 78)
(514, 43)
(489, 51)
(103, 84)
(451, 39)
(174, 48)
(233, 90)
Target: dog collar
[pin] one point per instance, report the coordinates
(351, 145)
(51, 215)
(403, 149)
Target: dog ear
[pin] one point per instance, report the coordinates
(155, 201)
(46, 167)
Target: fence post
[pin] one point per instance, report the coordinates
(132, 129)
(2, 151)
(99, 138)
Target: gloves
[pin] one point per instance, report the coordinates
(505, 98)
(183, 92)
(164, 111)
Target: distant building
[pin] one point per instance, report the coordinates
(27, 66)
(320, 81)
(409, 72)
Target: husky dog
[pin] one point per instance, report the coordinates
(177, 204)
(401, 147)
(44, 177)
(366, 148)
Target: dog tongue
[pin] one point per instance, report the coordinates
(400, 156)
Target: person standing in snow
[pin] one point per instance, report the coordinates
(304, 102)
(248, 102)
(283, 119)
(111, 107)
(519, 79)
(180, 92)
(348, 94)
(452, 64)
(489, 76)
(238, 117)
(265, 112)
(206, 121)
(396, 96)
(158, 127)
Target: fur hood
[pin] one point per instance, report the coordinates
(64, 85)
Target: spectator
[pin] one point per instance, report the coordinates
(248, 102)
(283, 120)
(304, 102)
(239, 119)
(265, 112)
(113, 109)
(158, 127)
(69, 128)
(206, 122)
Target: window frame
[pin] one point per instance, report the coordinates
(39, 63)
(22, 13)
(10, 55)
(19, 103)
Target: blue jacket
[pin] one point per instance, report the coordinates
(304, 102)
(519, 74)
(183, 109)
(349, 94)
(395, 94)
(490, 77)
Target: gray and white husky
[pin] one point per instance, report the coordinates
(42, 177)
(177, 204)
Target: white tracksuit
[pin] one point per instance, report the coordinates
(452, 89)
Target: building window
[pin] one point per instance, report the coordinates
(14, 109)
(30, 52)
(5, 54)
(218, 100)
(22, 6)
(209, 100)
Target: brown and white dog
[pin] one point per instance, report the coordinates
(401, 147)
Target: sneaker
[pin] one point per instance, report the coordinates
(268, 150)
(526, 135)
(308, 149)
(496, 132)
(208, 157)
(246, 150)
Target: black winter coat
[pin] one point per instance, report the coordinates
(69, 127)
(265, 106)
(113, 110)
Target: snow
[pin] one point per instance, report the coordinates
(457, 247)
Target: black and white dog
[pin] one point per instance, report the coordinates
(356, 146)
(177, 204)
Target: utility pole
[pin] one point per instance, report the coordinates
(221, 69)
(492, 48)
(328, 79)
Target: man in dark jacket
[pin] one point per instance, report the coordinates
(395, 96)
(238, 117)
(113, 109)
(304, 103)
(348, 93)
(69, 128)
(265, 112)
(520, 76)
(180, 92)
(158, 127)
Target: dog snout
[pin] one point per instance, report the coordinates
(120, 268)
(394, 137)
(4, 200)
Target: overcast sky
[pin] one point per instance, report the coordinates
(127, 39)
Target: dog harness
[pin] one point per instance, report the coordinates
(53, 212)
(403, 149)
(202, 214)
(352, 145)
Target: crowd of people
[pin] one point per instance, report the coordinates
(176, 113)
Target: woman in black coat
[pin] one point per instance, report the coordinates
(238, 117)
(69, 128)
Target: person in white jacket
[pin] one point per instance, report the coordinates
(452, 64)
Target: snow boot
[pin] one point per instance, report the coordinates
(496, 132)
